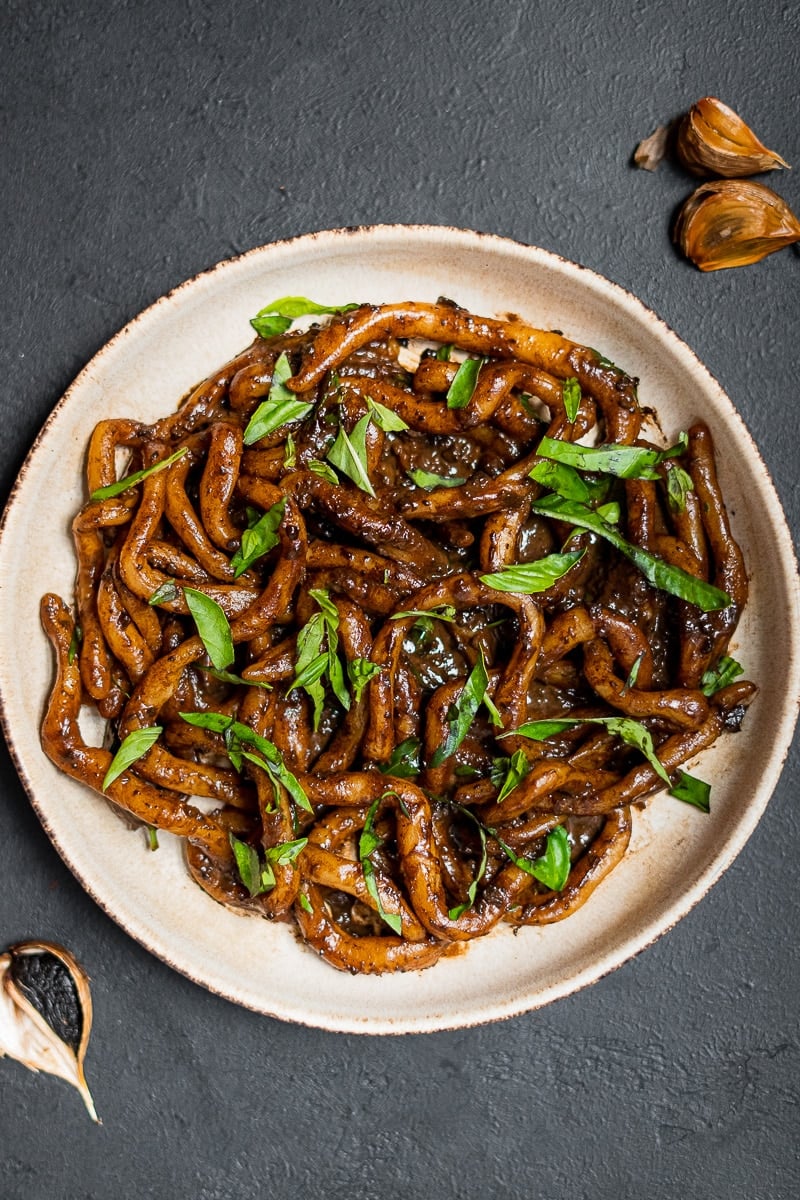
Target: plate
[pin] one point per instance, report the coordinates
(676, 853)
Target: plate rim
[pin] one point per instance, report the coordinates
(626, 947)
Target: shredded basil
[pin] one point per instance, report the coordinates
(349, 454)
(571, 392)
(551, 868)
(472, 890)
(152, 837)
(463, 712)
(129, 481)
(74, 644)
(679, 484)
(324, 471)
(444, 612)
(237, 736)
(305, 903)
(360, 671)
(368, 843)
(280, 407)
(427, 480)
(464, 382)
(317, 646)
(258, 539)
(660, 574)
(258, 876)
(531, 577)
(290, 454)
(133, 747)
(229, 677)
(719, 676)
(167, 592)
(213, 627)
(384, 417)
(404, 760)
(508, 773)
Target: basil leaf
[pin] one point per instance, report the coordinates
(349, 454)
(300, 306)
(289, 454)
(552, 867)
(633, 674)
(719, 676)
(258, 539)
(626, 462)
(323, 470)
(464, 382)
(305, 903)
(280, 407)
(317, 645)
(229, 677)
(267, 326)
(248, 866)
(692, 791)
(286, 852)
(567, 482)
(427, 480)
(528, 578)
(129, 481)
(404, 760)
(368, 843)
(152, 838)
(238, 735)
(445, 612)
(510, 775)
(679, 484)
(660, 574)
(167, 592)
(633, 733)
(213, 627)
(571, 391)
(386, 418)
(462, 713)
(360, 671)
(472, 890)
(134, 746)
(444, 352)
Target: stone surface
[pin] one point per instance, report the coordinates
(144, 142)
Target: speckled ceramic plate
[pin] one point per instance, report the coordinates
(676, 852)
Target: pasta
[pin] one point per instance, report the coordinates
(394, 621)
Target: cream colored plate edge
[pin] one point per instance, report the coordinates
(676, 852)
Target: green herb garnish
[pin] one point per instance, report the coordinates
(462, 712)
(568, 483)
(238, 736)
(323, 470)
(464, 382)
(632, 733)
(289, 454)
(571, 392)
(508, 773)
(258, 876)
(129, 481)
(280, 407)
(528, 578)
(404, 760)
(368, 843)
(472, 890)
(213, 627)
(660, 574)
(167, 592)
(444, 352)
(229, 677)
(278, 316)
(444, 612)
(349, 454)
(74, 644)
(152, 837)
(719, 676)
(317, 645)
(258, 539)
(427, 480)
(134, 746)
(551, 868)
(360, 671)
(384, 417)
(625, 462)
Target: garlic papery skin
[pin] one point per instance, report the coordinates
(732, 223)
(25, 1034)
(714, 140)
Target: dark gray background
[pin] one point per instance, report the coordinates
(144, 142)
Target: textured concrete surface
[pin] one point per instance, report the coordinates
(144, 142)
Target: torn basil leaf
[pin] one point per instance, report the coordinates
(444, 612)
(324, 471)
(427, 480)
(463, 711)
(237, 736)
(360, 671)
(508, 773)
(133, 747)
(660, 574)
(692, 791)
(551, 868)
(464, 382)
(571, 392)
(165, 594)
(229, 677)
(532, 577)
(129, 481)
(625, 462)
(679, 484)
(404, 760)
(349, 454)
(472, 890)
(444, 352)
(258, 539)
(213, 627)
(74, 644)
(280, 407)
(368, 843)
(317, 655)
(568, 483)
(720, 675)
(384, 417)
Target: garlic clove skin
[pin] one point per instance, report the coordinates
(46, 1014)
(652, 150)
(714, 140)
(732, 223)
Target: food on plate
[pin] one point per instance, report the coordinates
(394, 621)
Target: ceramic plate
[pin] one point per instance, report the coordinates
(676, 852)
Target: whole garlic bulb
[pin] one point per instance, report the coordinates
(714, 140)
